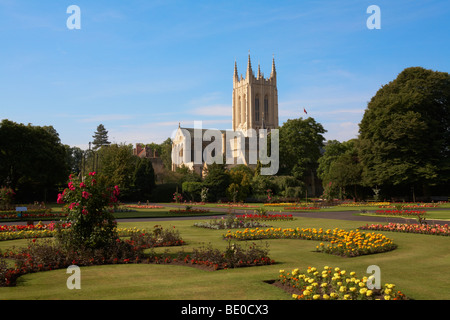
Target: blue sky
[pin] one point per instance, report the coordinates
(141, 67)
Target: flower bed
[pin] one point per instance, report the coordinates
(136, 206)
(14, 232)
(437, 229)
(280, 204)
(29, 227)
(334, 284)
(189, 211)
(230, 222)
(301, 208)
(412, 206)
(31, 214)
(402, 213)
(234, 256)
(270, 216)
(364, 204)
(236, 205)
(342, 243)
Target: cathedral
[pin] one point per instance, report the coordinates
(254, 107)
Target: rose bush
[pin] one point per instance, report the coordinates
(88, 204)
(6, 197)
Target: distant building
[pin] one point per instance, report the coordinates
(143, 151)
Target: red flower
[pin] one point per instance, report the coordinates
(60, 199)
(72, 205)
(116, 191)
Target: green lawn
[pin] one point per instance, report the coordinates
(418, 267)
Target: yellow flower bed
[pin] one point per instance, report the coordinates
(335, 284)
(280, 204)
(29, 234)
(344, 243)
(364, 204)
(45, 233)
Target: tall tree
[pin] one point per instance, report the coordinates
(333, 149)
(217, 180)
(405, 131)
(100, 137)
(74, 159)
(143, 179)
(32, 160)
(117, 165)
(340, 169)
(345, 173)
(301, 143)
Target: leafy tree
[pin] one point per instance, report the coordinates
(217, 180)
(166, 153)
(260, 184)
(287, 186)
(405, 131)
(333, 149)
(143, 179)
(186, 174)
(345, 173)
(117, 166)
(340, 165)
(74, 158)
(33, 161)
(192, 189)
(301, 142)
(240, 182)
(100, 137)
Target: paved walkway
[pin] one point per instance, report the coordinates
(338, 215)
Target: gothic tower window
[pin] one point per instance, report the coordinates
(257, 108)
(266, 108)
(238, 112)
(244, 109)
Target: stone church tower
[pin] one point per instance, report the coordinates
(255, 99)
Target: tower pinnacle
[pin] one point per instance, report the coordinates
(273, 73)
(249, 66)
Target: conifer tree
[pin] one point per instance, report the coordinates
(100, 137)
